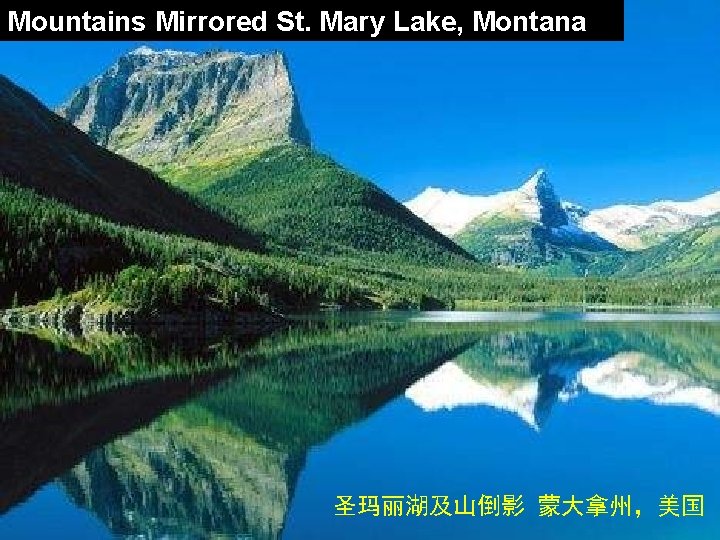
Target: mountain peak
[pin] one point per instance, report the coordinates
(450, 211)
(542, 200)
(539, 186)
(177, 110)
(537, 181)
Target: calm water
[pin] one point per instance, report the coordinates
(113, 436)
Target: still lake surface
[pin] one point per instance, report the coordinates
(255, 437)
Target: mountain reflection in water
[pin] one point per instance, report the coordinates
(208, 438)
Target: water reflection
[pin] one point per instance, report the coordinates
(527, 372)
(225, 463)
(207, 438)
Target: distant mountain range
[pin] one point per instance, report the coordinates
(637, 227)
(529, 227)
(532, 227)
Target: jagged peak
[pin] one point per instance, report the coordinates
(541, 193)
(450, 211)
(537, 182)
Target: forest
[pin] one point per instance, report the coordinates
(50, 250)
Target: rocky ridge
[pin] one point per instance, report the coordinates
(163, 107)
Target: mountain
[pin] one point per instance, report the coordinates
(227, 126)
(245, 493)
(692, 252)
(450, 387)
(528, 227)
(40, 150)
(636, 227)
(629, 227)
(189, 115)
(450, 212)
(297, 198)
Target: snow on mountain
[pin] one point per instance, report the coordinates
(535, 201)
(147, 51)
(637, 227)
(630, 227)
(449, 211)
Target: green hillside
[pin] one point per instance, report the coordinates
(519, 243)
(48, 248)
(296, 198)
(694, 252)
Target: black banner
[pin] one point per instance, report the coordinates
(482, 21)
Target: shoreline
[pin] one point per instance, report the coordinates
(77, 319)
(582, 308)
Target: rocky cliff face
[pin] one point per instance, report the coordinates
(158, 108)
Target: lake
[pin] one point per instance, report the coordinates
(398, 426)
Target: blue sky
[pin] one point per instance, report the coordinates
(611, 122)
